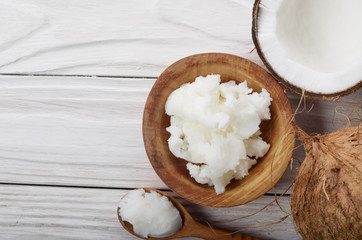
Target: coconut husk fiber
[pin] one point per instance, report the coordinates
(327, 197)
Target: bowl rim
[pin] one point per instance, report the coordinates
(147, 144)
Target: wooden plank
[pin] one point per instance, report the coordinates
(74, 131)
(32, 212)
(120, 38)
(88, 131)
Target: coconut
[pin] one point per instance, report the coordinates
(327, 196)
(311, 45)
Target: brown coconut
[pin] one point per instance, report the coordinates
(327, 197)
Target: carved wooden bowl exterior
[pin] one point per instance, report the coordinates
(278, 131)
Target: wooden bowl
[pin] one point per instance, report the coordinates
(278, 131)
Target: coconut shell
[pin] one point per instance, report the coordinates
(278, 76)
(327, 197)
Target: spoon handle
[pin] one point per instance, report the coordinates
(206, 232)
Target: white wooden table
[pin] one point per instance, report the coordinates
(74, 78)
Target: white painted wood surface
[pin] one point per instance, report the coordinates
(86, 131)
(29, 212)
(118, 37)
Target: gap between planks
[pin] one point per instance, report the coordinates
(109, 188)
(69, 75)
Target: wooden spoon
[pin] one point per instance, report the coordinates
(190, 227)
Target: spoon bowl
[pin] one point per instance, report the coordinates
(190, 227)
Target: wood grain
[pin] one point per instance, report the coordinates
(118, 38)
(88, 131)
(29, 212)
(278, 132)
